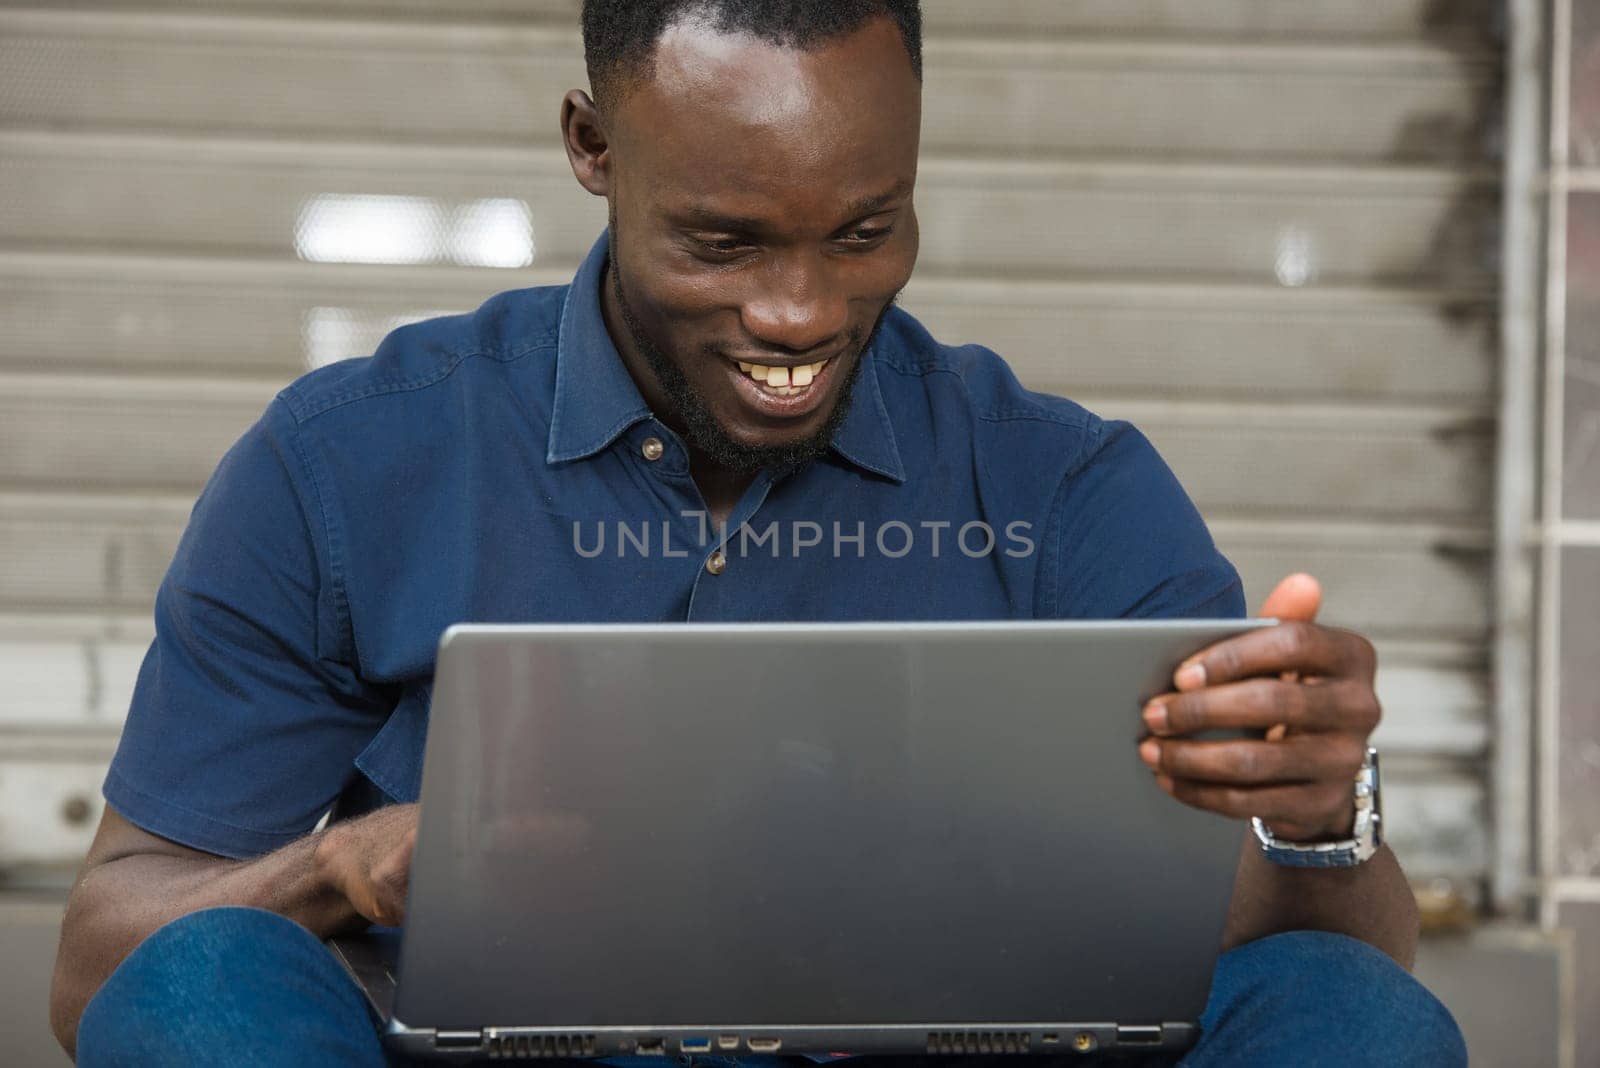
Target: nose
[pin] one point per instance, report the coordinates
(800, 306)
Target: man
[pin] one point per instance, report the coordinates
(727, 371)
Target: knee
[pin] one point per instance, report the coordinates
(1337, 982)
(199, 972)
(215, 935)
(200, 953)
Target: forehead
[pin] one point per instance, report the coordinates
(755, 126)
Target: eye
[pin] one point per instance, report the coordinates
(866, 235)
(723, 246)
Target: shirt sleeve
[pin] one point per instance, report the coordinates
(1127, 542)
(248, 711)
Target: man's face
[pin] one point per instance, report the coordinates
(762, 223)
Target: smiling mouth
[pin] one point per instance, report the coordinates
(784, 381)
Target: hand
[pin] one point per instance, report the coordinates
(368, 860)
(1309, 687)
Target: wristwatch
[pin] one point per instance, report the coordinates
(1364, 841)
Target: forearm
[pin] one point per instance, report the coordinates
(1371, 902)
(119, 902)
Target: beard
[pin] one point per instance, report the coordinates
(704, 433)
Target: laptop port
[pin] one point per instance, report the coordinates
(765, 1045)
(1140, 1036)
(457, 1039)
(651, 1047)
(697, 1044)
(727, 1041)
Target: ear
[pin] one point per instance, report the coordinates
(585, 139)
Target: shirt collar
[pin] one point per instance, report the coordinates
(866, 437)
(596, 399)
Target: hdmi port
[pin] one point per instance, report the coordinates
(765, 1045)
(652, 1047)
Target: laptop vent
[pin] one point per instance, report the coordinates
(979, 1041)
(531, 1046)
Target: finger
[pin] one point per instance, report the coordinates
(1297, 596)
(347, 875)
(1299, 759)
(388, 904)
(1303, 810)
(1305, 648)
(1265, 703)
(408, 846)
(389, 910)
(363, 898)
(390, 880)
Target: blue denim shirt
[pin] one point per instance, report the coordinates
(497, 467)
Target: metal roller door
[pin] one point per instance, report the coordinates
(1263, 231)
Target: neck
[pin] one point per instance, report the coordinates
(720, 487)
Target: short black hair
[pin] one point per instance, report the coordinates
(619, 36)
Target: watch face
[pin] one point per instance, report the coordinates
(1369, 773)
(1369, 802)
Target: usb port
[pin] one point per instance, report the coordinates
(765, 1045)
(652, 1047)
(458, 1039)
(695, 1045)
(1140, 1036)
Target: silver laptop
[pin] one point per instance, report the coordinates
(684, 839)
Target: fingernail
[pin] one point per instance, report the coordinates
(1155, 716)
(1190, 676)
(1164, 782)
(1150, 752)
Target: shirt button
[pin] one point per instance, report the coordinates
(652, 449)
(716, 562)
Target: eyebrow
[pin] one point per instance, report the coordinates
(702, 215)
(868, 205)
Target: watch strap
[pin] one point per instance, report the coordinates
(1366, 836)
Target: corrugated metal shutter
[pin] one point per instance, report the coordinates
(1261, 230)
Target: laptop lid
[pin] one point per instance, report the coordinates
(857, 837)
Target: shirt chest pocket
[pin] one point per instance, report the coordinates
(392, 761)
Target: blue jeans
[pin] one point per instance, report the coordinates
(246, 987)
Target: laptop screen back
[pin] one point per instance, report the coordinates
(807, 825)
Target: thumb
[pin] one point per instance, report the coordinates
(1297, 597)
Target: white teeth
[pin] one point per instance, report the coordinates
(783, 381)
